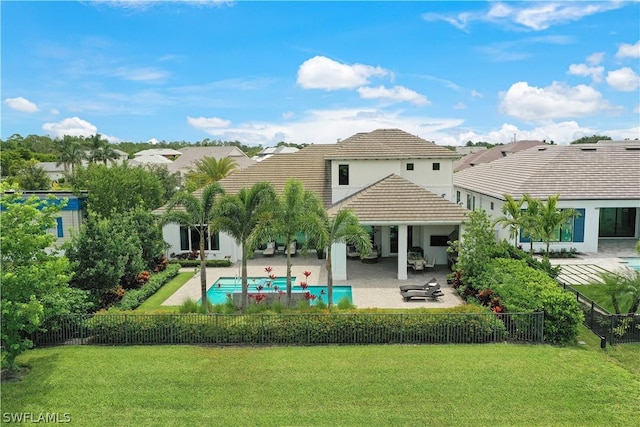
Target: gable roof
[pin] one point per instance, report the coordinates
(494, 153)
(190, 155)
(153, 159)
(576, 172)
(158, 151)
(395, 199)
(388, 144)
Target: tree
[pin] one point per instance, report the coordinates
(34, 279)
(297, 212)
(32, 177)
(70, 152)
(248, 218)
(591, 139)
(529, 219)
(512, 217)
(197, 213)
(99, 149)
(209, 170)
(551, 218)
(344, 227)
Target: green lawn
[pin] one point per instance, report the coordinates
(509, 385)
(596, 293)
(153, 303)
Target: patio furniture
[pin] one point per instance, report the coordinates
(432, 293)
(270, 249)
(431, 264)
(430, 284)
(372, 258)
(293, 247)
(352, 252)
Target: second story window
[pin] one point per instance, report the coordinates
(436, 166)
(343, 174)
(409, 166)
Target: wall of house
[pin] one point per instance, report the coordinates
(363, 173)
(493, 207)
(228, 247)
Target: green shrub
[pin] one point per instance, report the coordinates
(196, 262)
(345, 303)
(134, 297)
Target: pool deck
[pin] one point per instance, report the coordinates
(372, 285)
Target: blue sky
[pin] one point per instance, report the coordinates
(316, 72)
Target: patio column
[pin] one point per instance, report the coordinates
(339, 261)
(402, 252)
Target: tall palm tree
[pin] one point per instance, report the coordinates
(209, 170)
(551, 218)
(70, 152)
(297, 212)
(512, 217)
(190, 211)
(344, 227)
(99, 150)
(529, 219)
(248, 218)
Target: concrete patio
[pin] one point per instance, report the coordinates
(373, 285)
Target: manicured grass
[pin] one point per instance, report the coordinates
(153, 303)
(596, 293)
(510, 385)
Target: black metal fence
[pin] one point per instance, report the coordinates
(291, 329)
(616, 328)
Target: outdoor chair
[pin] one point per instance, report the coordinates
(431, 264)
(352, 252)
(293, 247)
(433, 283)
(270, 249)
(431, 293)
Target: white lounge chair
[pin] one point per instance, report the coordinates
(270, 249)
(293, 247)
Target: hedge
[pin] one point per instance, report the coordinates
(134, 297)
(196, 262)
(525, 289)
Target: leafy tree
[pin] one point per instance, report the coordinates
(34, 279)
(190, 211)
(344, 227)
(209, 170)
(70, 152)
(145, 227)
(32, 177)
(512, 216)
(248, 218)
(170, 182)
(297, 211)
(590, 139)
(551, 218)
(119, 188)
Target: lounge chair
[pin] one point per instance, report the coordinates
(352, 252)
(432, 293)
(430, 284)
(417, 265)
(293, 247)
(431, 264)
(270, 249)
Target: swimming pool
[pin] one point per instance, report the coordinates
(217, 293)
(633, 262)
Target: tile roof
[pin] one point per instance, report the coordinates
(395, 199)
(494, 153)
(190, 155)
(158, 151)
(389, 144)
(147, 159)
(576, 172)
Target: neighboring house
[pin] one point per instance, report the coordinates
(150, 159)
(479, 157)
(71, 216)
(54, 170)
(601, 181)
(270, 151)
(190, 155)
(398, 184)
(169, 153)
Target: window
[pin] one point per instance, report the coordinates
(457, 197)
(469, 202)
(571, 231)
(343, 174)
(190, 240)
(59, 227)
(491, 205)
(409, 166)
(436, 166)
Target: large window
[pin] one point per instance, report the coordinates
(571, 231)
(617, 222)
(343, 174)
(190, 240)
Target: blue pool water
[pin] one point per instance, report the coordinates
(633, 263)
(217, 293)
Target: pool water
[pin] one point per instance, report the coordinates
(633, 263)
(217, 293)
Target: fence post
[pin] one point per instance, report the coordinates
(262, 329)
(401, 328)
(126, 329)
(591, 316)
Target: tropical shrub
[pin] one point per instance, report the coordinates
(134, 297)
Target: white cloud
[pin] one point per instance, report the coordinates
(534, 16)
(21, 104)
(460, 106)
(287, 115)
(394, 94)
(624, 79)
(208, 122)
(152, 141)
(72, 126)
(54, 112)
(321, 72)
(552, 102)
(586, 71)
(595, 58)
(146, 75)
(629, 50)
(476, 94)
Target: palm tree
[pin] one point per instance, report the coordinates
(551, 218)
(100, 150)
(529, 219)
(190, 211)
(344, 227)
(298, 211)
(70, 152)
(512, 218)
(209, 170)
(248, 218)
